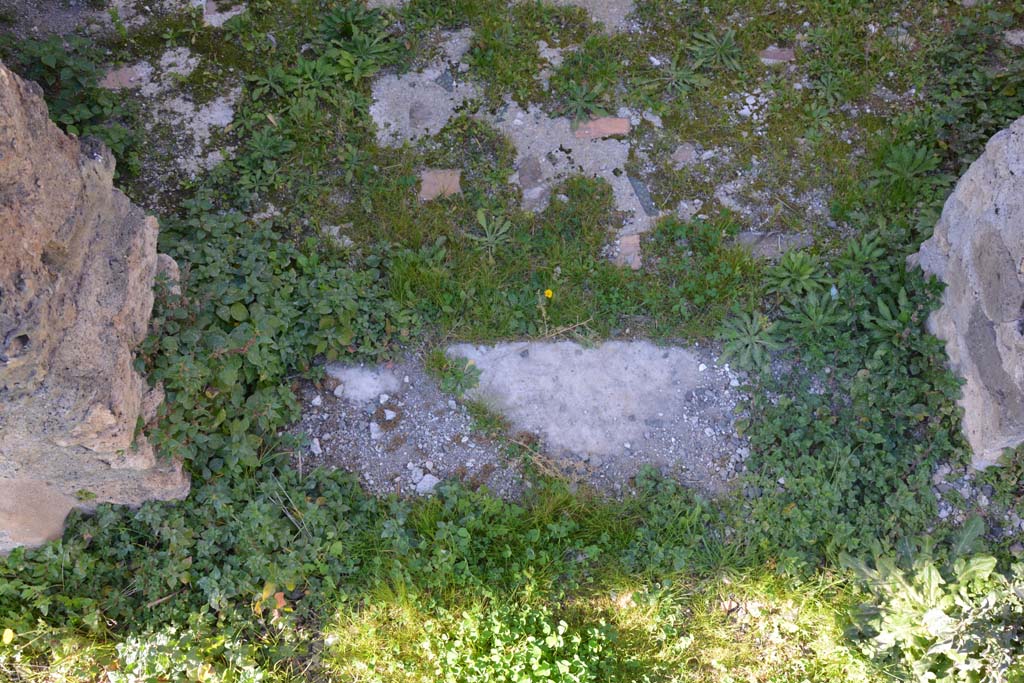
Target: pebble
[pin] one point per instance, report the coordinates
(427, 484)
(315, 448)
(702, 367)
(339, 391)
(375, 432)
(317, 401)
(384, 398)
(390, 415)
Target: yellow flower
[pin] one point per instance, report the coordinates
(548, 293)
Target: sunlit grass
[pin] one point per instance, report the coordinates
(754, 626)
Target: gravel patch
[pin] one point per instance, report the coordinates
(394, 428)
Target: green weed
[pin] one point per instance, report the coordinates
(67, 70)
(961, 619)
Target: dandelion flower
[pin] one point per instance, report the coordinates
(548, 293)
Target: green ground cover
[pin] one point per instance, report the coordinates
(268, 574)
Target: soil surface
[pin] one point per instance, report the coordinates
(594, 416)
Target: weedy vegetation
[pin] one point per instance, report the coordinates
(826, 563)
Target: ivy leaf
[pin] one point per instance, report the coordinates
(239, 312)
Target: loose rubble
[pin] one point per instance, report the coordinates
(394, 427)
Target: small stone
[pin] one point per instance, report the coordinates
(1017, 550)
(452, 405)
(427, 484)
(630, 115)
(686, 210)
(1014, 38)
(941, 472)
(339, 391)
(429, 464)
(390, 415)
(317, 401)
(652, 118)
(604, 127)
(773, 56)
(734, 382)
(384, 398)
(375, 432)
(335, 233)
(629, 252)
(315, 448)
(417, 474)
(702, 367)
(709, 432)
(684, 155)
(127, 77)
(531, 173)
(436, 183)
(213, 17)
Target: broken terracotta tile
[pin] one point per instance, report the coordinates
(604, 127)
(773, 55)
(629, 252)
(439, 182)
